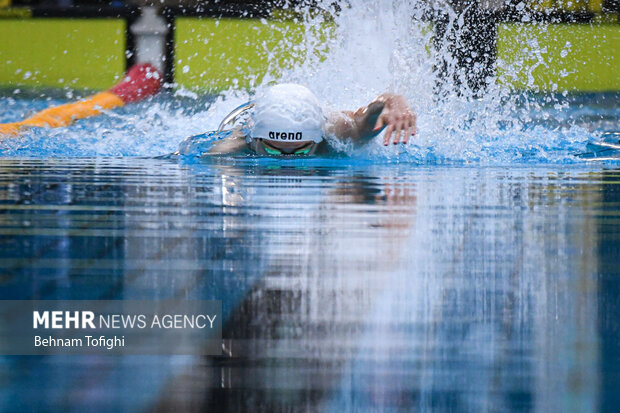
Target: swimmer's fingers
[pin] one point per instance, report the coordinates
(408, 134)
(388, 134)
(396, 134)
(404, 125)
(400, 129)
(414, 122)
(380, 123)
(412, 128)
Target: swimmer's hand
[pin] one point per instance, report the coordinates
(397, 118)
(388, 111)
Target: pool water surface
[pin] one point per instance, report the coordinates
(387, 287)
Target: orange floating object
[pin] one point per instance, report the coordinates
(141, 81)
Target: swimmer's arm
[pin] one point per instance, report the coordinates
(388, 111)
(357, 126)
(232, 144)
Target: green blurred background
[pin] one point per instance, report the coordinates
(43, 48)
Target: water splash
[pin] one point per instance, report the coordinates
(372, 47)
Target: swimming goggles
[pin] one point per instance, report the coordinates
(272, 150)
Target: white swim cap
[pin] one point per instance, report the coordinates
(288, 113)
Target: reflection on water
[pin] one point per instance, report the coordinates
(343, 288)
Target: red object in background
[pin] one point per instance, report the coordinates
(141, 81)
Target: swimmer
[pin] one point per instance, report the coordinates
(287, 119)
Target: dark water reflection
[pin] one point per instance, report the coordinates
(343, 288)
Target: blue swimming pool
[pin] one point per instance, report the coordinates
(345, 285)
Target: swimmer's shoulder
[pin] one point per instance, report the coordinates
(231, 145)
(322, 149)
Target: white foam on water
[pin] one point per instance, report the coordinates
(384, 45)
